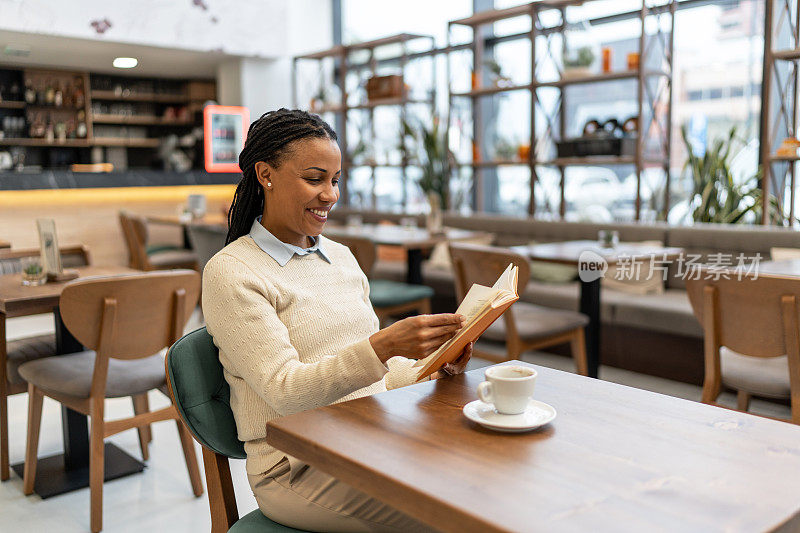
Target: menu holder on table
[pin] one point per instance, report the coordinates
(480, 307)
(51, 257)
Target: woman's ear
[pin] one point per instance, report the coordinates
(264, 174)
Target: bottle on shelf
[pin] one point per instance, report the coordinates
(41, 94)
(50, 93)
(49, 130)
(58, 96)
(14, 93)
(37, 128)
(61, 131)
(30, 93)
(80, 128)
(78, 97)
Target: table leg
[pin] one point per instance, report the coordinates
(414, 270)
(590, 306)
(69, 471)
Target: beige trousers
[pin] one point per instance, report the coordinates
(300, 496)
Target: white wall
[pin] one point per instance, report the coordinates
(236, 27)
(266, 84)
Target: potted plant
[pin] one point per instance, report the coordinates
(436, 162)
(577, 62)
(716, 197)
(498, 78)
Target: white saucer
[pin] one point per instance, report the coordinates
(536, 414)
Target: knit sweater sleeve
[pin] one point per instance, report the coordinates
(254, 344)
(400, 372)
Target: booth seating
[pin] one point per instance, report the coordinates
(655, 334)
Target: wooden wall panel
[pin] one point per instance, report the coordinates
(90, 216)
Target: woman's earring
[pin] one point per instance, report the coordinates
(269, 184)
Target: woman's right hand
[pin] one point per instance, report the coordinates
(415, 337)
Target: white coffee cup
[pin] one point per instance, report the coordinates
(508, 387)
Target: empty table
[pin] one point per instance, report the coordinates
(569, 253)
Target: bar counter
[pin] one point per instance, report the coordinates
(65, 179)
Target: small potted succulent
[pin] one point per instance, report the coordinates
(578, 62)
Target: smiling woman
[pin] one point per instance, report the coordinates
(291, 315)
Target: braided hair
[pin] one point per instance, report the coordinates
(268, 139)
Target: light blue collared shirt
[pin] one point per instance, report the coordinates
(279, 250)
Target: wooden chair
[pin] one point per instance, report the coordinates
(388, 298)
(525, 326)
(125, 319)
(202, 396)
(15, 353)
(142, 256)
(751, 326)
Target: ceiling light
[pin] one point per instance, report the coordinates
(125, 62)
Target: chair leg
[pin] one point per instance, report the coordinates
(35, 399)
(141, 405)
(711, 389)
(578, 347)
(424, 306)
(96, 464)
(742, 401)
(4, 470)
(187, 443)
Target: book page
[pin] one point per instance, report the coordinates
(475, 301)
(507, 280)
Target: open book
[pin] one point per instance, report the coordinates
(480, 307)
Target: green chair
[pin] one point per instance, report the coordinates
(388, 298)
(202, 396)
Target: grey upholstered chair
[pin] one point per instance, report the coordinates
(144, 256)
(206, 241)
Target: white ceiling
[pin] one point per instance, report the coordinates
(96, 56)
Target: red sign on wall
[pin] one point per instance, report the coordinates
(224, 131)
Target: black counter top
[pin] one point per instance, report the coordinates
(64, 179)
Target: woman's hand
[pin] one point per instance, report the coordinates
(456, 367)
(415, 337)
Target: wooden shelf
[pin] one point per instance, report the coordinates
(494, 15)
(388, 102)
(140, 97)
(786, 158)
(491, 90)
(791, 54)
(129, 143)
(383, 165)
(340, 50)
(12, 104)
(597, 160)
(599, 78)
(334, 108)
(497, 163)
(68, 143)
(144, 120)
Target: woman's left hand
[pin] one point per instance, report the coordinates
(456, 367)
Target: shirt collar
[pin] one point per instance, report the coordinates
(280, 251)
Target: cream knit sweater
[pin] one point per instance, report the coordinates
(292, 338)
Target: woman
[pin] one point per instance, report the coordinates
(290, 313)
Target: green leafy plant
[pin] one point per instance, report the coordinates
(436, 160)
(582, 57)
(716, 196)
(33, 270)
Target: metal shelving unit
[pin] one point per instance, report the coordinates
(654, 101)
(341, 54)
(779, 104)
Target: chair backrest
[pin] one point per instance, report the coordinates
(206, 241)
(754, 315)
(132, 316)
(362, 248)
(134, 229)
(71, 257)
(475, 263)
(202, 396)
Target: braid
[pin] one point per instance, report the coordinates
(268, 139)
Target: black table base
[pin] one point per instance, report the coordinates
(590, 306)
(414, 266)
(53, 478)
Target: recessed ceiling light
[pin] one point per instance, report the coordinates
(125, 62)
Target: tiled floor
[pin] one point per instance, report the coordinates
(160, 499)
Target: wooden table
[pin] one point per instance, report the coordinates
(414, 240)
(614, 459)
(784, 267)
(68, 471)
(569, 253)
